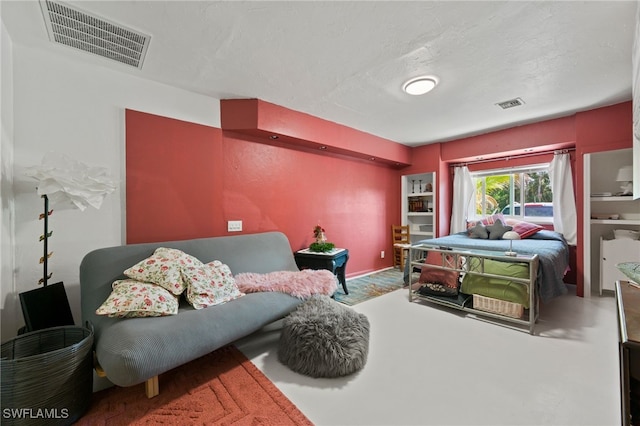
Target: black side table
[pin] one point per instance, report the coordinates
(334, 261)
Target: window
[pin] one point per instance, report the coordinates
(507, 191)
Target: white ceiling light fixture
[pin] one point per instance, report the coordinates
(420, 85)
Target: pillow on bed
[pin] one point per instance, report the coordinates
(164, 268)
(448, 279)
(524, 229)
(497, 230)
(478, 231)
(135, 299)
(490, 220)
(210, 284)
(499, 288)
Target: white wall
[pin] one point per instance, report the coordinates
(76, 109)
(8, 300)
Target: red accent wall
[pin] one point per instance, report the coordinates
(186, 180)
(428, 158)
(254, 117)
(544, 135)
(491, 148)
(601, 129)
(170, 176)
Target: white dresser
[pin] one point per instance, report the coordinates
(613, 252)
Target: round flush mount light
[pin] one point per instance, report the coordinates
(420, 85)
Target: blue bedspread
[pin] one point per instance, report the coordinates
(551, 248)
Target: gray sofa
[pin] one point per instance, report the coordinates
(137, 350)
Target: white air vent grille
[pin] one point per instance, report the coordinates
(92, 34)
(511, 103)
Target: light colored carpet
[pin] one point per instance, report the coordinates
(430, 365)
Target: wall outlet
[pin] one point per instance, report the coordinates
(234, 225)
(382, 254)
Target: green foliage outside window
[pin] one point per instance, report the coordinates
(498, 192)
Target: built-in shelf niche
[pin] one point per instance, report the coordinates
(600, 172)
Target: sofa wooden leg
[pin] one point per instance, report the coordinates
(151, 387)
(96, 365)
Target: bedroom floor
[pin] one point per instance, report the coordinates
(433, 366)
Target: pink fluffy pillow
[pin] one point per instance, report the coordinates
(300, 284)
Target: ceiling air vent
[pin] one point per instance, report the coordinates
(511, 103)
(80, 30)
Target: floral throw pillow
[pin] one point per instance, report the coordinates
(210, 284)
(135, 299)
(164, 268)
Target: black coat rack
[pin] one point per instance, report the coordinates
(45, 238)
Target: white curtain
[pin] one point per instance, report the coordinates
(564, 205)
(463, 192)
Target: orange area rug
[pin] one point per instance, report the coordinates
(221, 388)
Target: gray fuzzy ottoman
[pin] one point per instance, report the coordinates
(323, 338)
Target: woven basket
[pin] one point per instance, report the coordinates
(47, 376)
(497, 306)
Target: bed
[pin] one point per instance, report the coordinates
(551, 248)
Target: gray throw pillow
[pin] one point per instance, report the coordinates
(479, 231)
(497, 230)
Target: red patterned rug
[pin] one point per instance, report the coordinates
(222, 388)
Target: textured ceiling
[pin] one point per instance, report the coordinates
(346, 61)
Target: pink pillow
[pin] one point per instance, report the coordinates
(440, 276)
(524, 229)
(490, 220)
